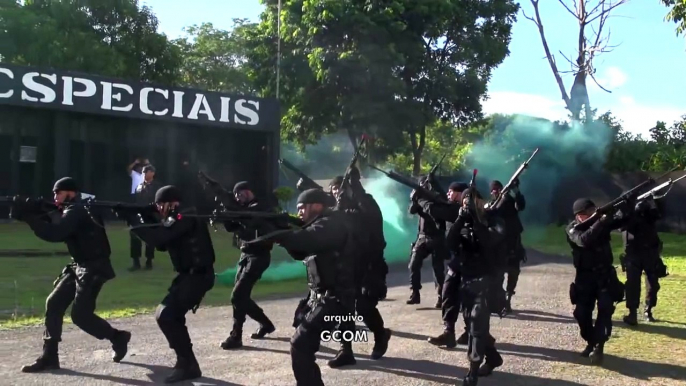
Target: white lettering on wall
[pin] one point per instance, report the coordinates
(247, 112)
(178, 104)
(200, 100)
(108, 96)
(10, 75)
(145, 92)
(68, 93)
(48, 94)
(224, 115)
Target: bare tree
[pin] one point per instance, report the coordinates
(594, 17)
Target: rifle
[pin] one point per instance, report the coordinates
(411, 183)
(652, 192)
(627, 196)
(307, 182)
(346, 176)
(20, 205)
(220, 194)
(146, 212)
(508, 187)
(280, 220)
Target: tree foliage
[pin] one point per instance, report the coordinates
(677, 14)
(215, 59)
(109, 37)
(389, 68)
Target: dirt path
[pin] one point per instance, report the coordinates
(539, 344)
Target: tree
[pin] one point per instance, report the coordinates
(589, 46)
(677, 14)
(215, 59)
(389, 68)
(113, 37)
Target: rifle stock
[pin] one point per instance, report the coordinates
(307, 183)
(225, 199)
(280, 220)
(506, 189)
(346, 177)
(410, 183)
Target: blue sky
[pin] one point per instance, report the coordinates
(646, 72)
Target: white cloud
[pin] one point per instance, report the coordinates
(612, 78)
(636, 118)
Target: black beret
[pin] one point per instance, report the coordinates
(66, 183)
(314, 196)
(169, 193)
(243, 185)
(582, 204)
(148, 168)
(458, 186)
(337, 181)
(496, 184)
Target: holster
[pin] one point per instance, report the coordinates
(66, 271)
(572, 293)
(615, 287)
(661, 269)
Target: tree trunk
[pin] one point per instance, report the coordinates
(417, 150)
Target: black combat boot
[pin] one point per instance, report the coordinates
(597, 354)
(648, 314)
(263, 331)
(49, 360)
(588, 350)
(345, 356)
(508, 303)
(493, 360)
(136, 265)
(381, 344)
(472, 377)
(186, 368)
(631, 319)
(235, 340)
(439, 302)
(148, 264)
(414, 298)
(447, 339)
(120, 345)
(463, 339)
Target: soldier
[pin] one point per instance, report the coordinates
(472, 239)
(255, 259)
(327, 247)
(81, 281)
(642, 247)
(596, 278)
(371, 267)
(508, 209)
(450, 308)
(190, 248)
(144, 194)
(430, 241)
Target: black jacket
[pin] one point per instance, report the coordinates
(246, 231)
(639, 233)
(187, 240)
(327, 246)
(428, 225)
(84, 235)
(508, 209)
(447, 213)
(591, 248)
(476, 246)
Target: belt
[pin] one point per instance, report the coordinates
(195, 271)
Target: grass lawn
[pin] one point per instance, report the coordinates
(661, 342)
(25, 282)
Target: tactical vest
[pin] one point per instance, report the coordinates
(193, 250)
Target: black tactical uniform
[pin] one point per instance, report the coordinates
(430, 241)
(371, 271)
(450, 308)
(508, 209)
(145, 194)
(642, 248)
(327, 247)
(596, 278)
(80, 282)
(255, 259)
(474, 246)
(190, 248)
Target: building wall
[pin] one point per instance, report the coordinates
(96, 149)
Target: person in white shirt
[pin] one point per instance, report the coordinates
(135, 170)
